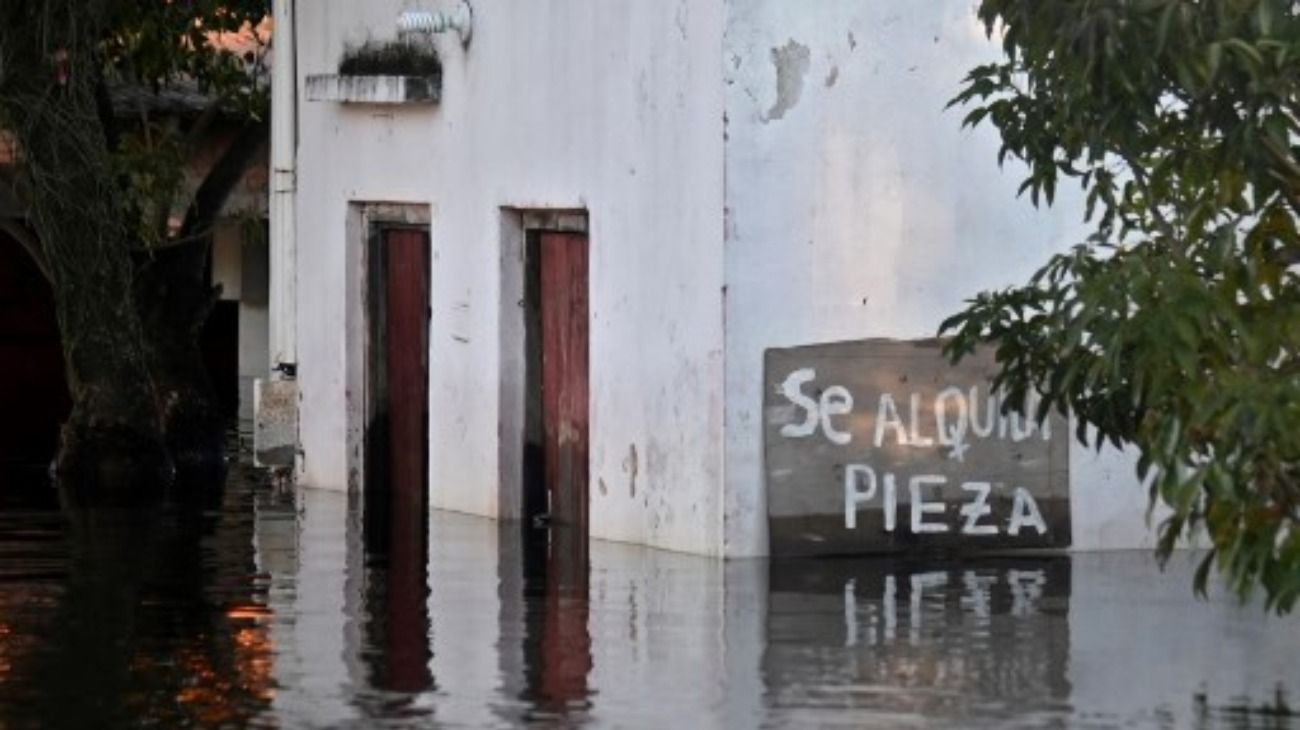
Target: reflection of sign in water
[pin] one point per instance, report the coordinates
(882, 446)
(931, 639)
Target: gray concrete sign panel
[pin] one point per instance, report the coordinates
(883, 446)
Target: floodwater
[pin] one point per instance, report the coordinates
(274, 613)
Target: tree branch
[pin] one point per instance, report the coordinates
(1152, 205)
(1291, 172)
(194, 135)
(104, 110)
(222, 179)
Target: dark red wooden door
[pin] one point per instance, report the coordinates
(408, 352)
(564, 374)
(407, 345)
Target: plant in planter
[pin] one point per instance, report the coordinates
(391, 72)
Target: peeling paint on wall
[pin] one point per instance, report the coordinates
(791, 61)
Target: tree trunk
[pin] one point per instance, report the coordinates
(112, 449)
(145, 413)
(173, 300)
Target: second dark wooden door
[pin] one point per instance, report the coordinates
(407, 342)
(407, 349)
(564, 374)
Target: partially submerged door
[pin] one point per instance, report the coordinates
(564, 382)
(566, 642)
(397, 450)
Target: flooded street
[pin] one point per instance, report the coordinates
(276, 613)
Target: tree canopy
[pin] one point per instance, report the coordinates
(140, 64)
(1174, 327)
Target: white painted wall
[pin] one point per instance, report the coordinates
(850, 203)
(239, 267)
(612, 107)
(857, 207)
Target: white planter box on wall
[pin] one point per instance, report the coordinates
(351, 89)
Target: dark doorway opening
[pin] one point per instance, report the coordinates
(33, 393)
(396, 459)
(556, 382)
(219, 343)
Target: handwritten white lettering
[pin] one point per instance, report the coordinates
(792, 389)
(920, 508)
(976, 509)
(863, 486)
(836, 401)
(855, 474)
(916, 438)
(887, 417)
(1024, 511)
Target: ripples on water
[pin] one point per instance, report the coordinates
(274, 613)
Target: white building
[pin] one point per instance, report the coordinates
(741, 174)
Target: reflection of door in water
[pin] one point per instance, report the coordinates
(563, 323)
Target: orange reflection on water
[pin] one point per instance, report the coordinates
(6, 663)
(213, 674)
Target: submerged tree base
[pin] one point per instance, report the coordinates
(112, 466)
(115, 467)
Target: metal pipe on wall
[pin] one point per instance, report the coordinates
(284, 151)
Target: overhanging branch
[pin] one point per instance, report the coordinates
(222, 179)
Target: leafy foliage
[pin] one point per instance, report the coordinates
(157, 44)
(1175, 326)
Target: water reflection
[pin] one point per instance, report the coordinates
(284, 609)
(920, 640)
(396, 601)
(556, 641)
(114, 615)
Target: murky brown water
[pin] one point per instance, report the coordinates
(274, 613)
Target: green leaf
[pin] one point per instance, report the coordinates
(1200, 581)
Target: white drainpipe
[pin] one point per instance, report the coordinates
(275, 401)
(284, 153)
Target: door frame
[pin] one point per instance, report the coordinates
(518, 227)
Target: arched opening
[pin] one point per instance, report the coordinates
(33, 394)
